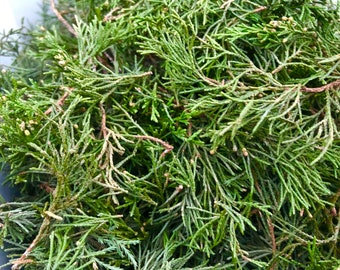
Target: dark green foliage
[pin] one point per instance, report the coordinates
(176, 135)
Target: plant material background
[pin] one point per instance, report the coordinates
(174, 135)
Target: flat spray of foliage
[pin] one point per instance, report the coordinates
(174, 134)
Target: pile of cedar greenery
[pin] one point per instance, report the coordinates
(164, 134)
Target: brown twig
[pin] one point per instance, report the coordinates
(45, 186)
(61, 19)
(168, 147)
(331, 85)
(60, 101)
(272, 236)
(21, 262)
(103, 124)
(259, 9)
(105, 61)
(110, 17)
(23, 259)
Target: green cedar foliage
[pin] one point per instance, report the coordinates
(169, 134)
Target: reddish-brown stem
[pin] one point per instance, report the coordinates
(60, 101)
(103, 124)
(259, 9)
(110, 17)
(23, 259)
(168, 147)
(61, 19)
(331, 85)
(272, 236)
(45, 186)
